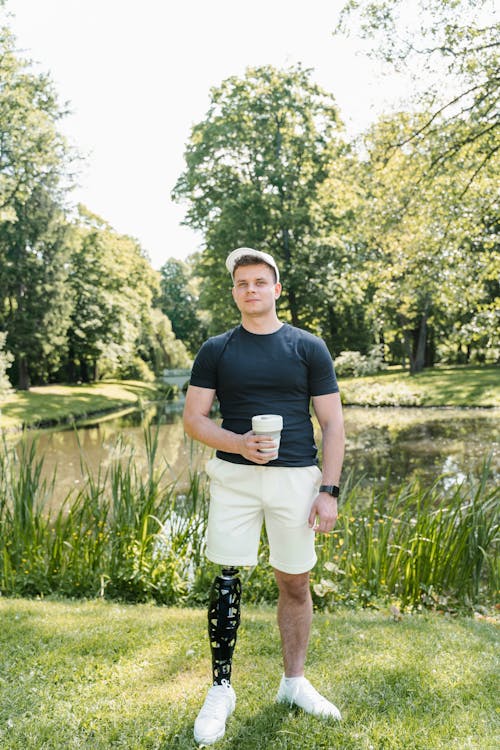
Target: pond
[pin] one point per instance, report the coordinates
(382, 442)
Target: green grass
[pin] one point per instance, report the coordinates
(139, 536)
(51, 404)
(439, 386)
(100, 675)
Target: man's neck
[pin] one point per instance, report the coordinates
(261, 326)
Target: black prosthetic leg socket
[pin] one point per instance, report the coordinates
(223, 622)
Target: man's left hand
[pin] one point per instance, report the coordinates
(323, 515)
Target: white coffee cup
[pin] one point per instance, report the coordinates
(268, 424)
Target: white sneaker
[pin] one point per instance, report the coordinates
(210, 724)
(302, 694)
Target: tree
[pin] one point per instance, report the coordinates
(254, 170)
(457, 41)
(432, 194)
(36, 305)
(179, 300)
(113, 285)
(160, 347)
(33, 171)
(433, 258)
(32, 150)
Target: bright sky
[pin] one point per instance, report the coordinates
(137, 76)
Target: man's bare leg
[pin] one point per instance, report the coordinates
(294, 620)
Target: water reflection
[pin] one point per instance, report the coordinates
(381, 442)
(404, 443)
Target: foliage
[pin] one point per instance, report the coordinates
(113, 286)
(456, 40)
(133, 535)
(434, 263)
(179, 301)
(34, 165)
(357, 364)
(421, 547)
(6, 360)
(159, 345)
(431, 214)
(254, 169)
(33, 151)
(138, 369)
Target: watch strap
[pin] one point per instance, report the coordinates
(332, 489)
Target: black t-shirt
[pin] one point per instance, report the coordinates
(274, 373)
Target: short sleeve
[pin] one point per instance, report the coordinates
(322, 378)
(204, 371)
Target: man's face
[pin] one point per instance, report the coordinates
(255, 291)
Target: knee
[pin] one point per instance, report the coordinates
(294, 587)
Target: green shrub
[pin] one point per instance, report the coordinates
(137, 369)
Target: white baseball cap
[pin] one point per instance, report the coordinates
(241, 251)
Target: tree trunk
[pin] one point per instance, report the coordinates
(24, 378)
(419, 361)
(430, 349)
(84, 371)
(407, 347)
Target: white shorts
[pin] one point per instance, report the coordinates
(243, 495)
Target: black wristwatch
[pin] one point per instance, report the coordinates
(332, 489)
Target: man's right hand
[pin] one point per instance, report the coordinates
(252, 446)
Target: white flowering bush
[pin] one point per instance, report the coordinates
(355, 364)
(6, 360)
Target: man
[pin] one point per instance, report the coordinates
(264, 366)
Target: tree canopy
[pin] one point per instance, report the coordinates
(456, 41)
(254, 168)
(391, 245)
(76, 297)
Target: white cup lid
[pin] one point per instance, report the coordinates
(267, 422)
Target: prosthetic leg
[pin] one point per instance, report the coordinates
(223, 622)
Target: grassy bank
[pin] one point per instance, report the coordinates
(439, 386)
(450, 386)
(53, 404)
(100, 675)
(131, 533)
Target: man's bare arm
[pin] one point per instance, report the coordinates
(328, 409)
(199, 426)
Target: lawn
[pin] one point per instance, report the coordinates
(439, 386)
(51, 404)
(99, 675)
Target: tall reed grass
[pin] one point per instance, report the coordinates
(421, 546)
(125, 534)
(137, 535)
